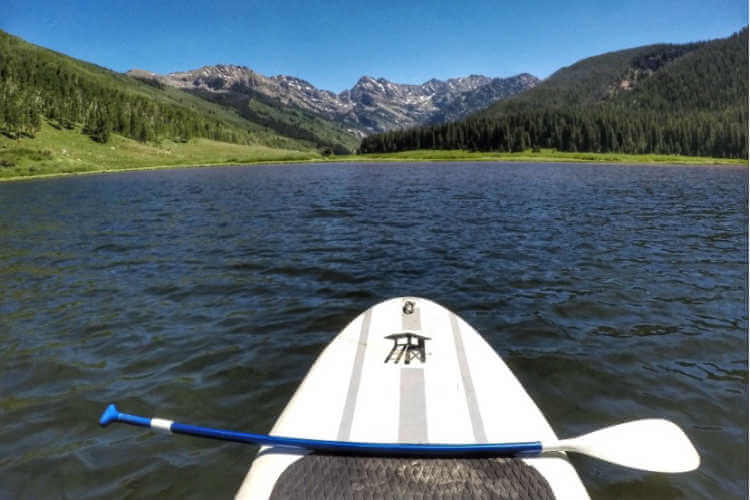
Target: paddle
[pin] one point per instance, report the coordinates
(653, 444)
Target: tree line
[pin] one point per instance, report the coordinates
(698, 134)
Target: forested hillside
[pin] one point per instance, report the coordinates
(36, 84)
(686, 99)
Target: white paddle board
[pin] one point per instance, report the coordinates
(408, 371)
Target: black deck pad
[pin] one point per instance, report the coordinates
(334, 477)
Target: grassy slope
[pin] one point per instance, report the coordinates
(55, 151)
(286, 120)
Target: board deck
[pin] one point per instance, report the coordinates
(424, 376)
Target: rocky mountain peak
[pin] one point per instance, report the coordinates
(371, 105)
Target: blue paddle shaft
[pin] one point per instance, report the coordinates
(336, 447)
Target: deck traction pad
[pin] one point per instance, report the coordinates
(333, 477)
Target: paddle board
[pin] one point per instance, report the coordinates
(408, 370)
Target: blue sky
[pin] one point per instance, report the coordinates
(333, 43)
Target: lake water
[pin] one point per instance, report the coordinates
(204, 295)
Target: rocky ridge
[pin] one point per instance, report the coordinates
(371, 106)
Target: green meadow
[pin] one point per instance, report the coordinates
(58, 151)
(545, 155)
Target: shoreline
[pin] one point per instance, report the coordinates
(405, 157)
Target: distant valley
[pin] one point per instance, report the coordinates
(61, 114)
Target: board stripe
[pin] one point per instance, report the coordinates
(471, 397)
(412, 418)
(345, 427)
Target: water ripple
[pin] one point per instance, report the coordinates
(613, 292)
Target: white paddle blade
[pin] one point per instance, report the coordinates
(651, 444)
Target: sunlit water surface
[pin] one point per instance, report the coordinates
(204, 295)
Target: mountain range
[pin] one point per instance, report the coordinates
(370, 106)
